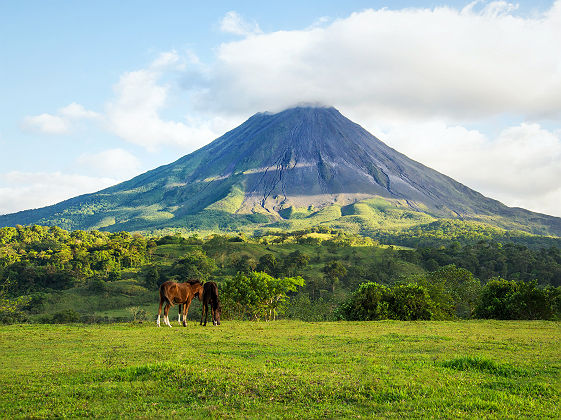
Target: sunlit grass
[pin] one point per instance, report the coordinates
(475, 369)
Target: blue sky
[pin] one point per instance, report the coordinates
(94, 93)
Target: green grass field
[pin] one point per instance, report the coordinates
(476, 369)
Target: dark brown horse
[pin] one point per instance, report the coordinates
(182, 293)
(210, 296)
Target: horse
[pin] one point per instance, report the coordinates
(210, 295)
(182, 293)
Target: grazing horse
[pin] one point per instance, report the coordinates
(182, 293)
(210, 295)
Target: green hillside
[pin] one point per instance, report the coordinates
(296, 169)
(51, 275)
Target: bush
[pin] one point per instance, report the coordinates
(65, 317)
(12, 309)
(370, 302)
(503, 299)
(410, 302)
(373, 301)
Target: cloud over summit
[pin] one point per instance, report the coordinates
(427, 81)
(458, 64)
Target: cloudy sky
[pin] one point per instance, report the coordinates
(93, 93)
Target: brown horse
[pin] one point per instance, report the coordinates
(182, 293)
(210, 295)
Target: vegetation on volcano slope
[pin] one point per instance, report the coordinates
(387, 221)
(283, 369)
(51, 275)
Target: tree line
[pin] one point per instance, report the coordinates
(313, 274)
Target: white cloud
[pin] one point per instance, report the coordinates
(61, 123)
(26, 190)
(233, 23)
(135, 112)
(459, 64)
(168, 60)
(520, 167)
(46, 123)
(414, 77)
(76, 111)
(118, 163)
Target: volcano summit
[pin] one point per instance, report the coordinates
(299, 167)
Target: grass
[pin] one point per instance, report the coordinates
(476, 369)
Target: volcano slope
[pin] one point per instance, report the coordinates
(298, 168)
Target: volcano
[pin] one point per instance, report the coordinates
(299, 167)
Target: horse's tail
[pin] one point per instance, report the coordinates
(163, 296)
(214, 296)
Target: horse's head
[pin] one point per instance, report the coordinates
(217, 313)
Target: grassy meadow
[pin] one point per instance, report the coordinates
(476, 369)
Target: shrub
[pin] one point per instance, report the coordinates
(503, 299)
(373, 301)
(65, 317)
(370, 302)
(410, 302)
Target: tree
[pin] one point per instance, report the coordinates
(373, 301)
(410, 302)
(11, 309)
(258, 295)
(296, 260)
(194, 265)
(244, 263)
(152, 279)
(268, 264)
(454, 291)
(503, 299)
(370, 302)
(334, 271)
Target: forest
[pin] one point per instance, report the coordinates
(51, 275)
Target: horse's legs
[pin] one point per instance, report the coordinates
(166, 315)
(179, 313)
(159, 313)
(203, 313)
(186, 311)
(184, 316)
(213, 311)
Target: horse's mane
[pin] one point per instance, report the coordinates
(192, 282)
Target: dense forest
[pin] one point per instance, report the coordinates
(48, 274)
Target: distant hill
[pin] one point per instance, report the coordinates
(298, 168)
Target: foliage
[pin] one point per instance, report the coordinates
(43, 258)
(372, 301)
(454, 291)
(102, 274)
(11, 309)
(193, 266)
(268, 264)
(258, 295)
(64, 317)
(487, 259)
(410, 302)
(333, 271)
(503, 299)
